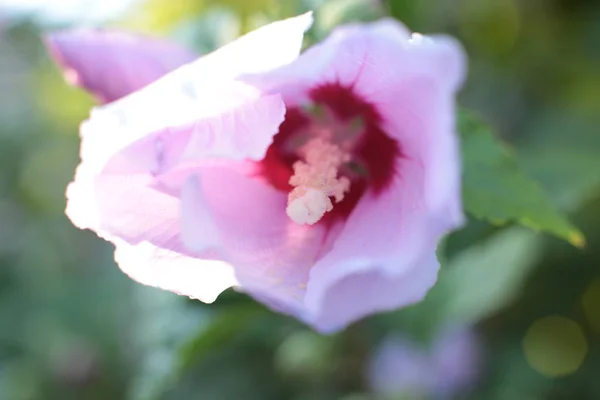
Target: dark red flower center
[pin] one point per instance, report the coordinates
(371, 164)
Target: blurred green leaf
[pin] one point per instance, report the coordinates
(252, 14)
(481, 280)
(407, 11)
(228, 326)
(238, 371)
(61, 105)
(561, 152)
(491, 27)
(210, 30)
(164, 323)
(495, 189)
(336, 12)
(476, 283)
(19, 381)
(174, 355)
(236, 345)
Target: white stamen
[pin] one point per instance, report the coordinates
(315, 180)
(309, 208)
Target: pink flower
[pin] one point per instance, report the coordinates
(319, 184)
(402, 367)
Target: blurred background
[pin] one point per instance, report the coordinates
(515, 315)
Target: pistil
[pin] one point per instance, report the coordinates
(317, 178)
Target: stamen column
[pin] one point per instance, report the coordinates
(316, 179)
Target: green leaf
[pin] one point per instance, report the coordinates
(560, 151)
(192, 338)
(481, 280)
(163, 322)
(476, 283)
(222, 331)
(495, 189)
(333, 13)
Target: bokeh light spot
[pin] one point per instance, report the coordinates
(304, 353)
(555, 346)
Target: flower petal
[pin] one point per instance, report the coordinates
(143, 223)
(242, 133)
(368, 290)
(195, 92)
(133, 150)
(243, 220)
(124, 201)
(188, 103)
(125, 192)
(411, 80)
(171, 270)
(406, 235)
(113, 64)
(368, 57)
(413, 86)
(268, 47)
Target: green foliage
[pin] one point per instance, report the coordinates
(336, 12)
(495, 189)
(475, 283)
(486, 277)
(561, 152)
